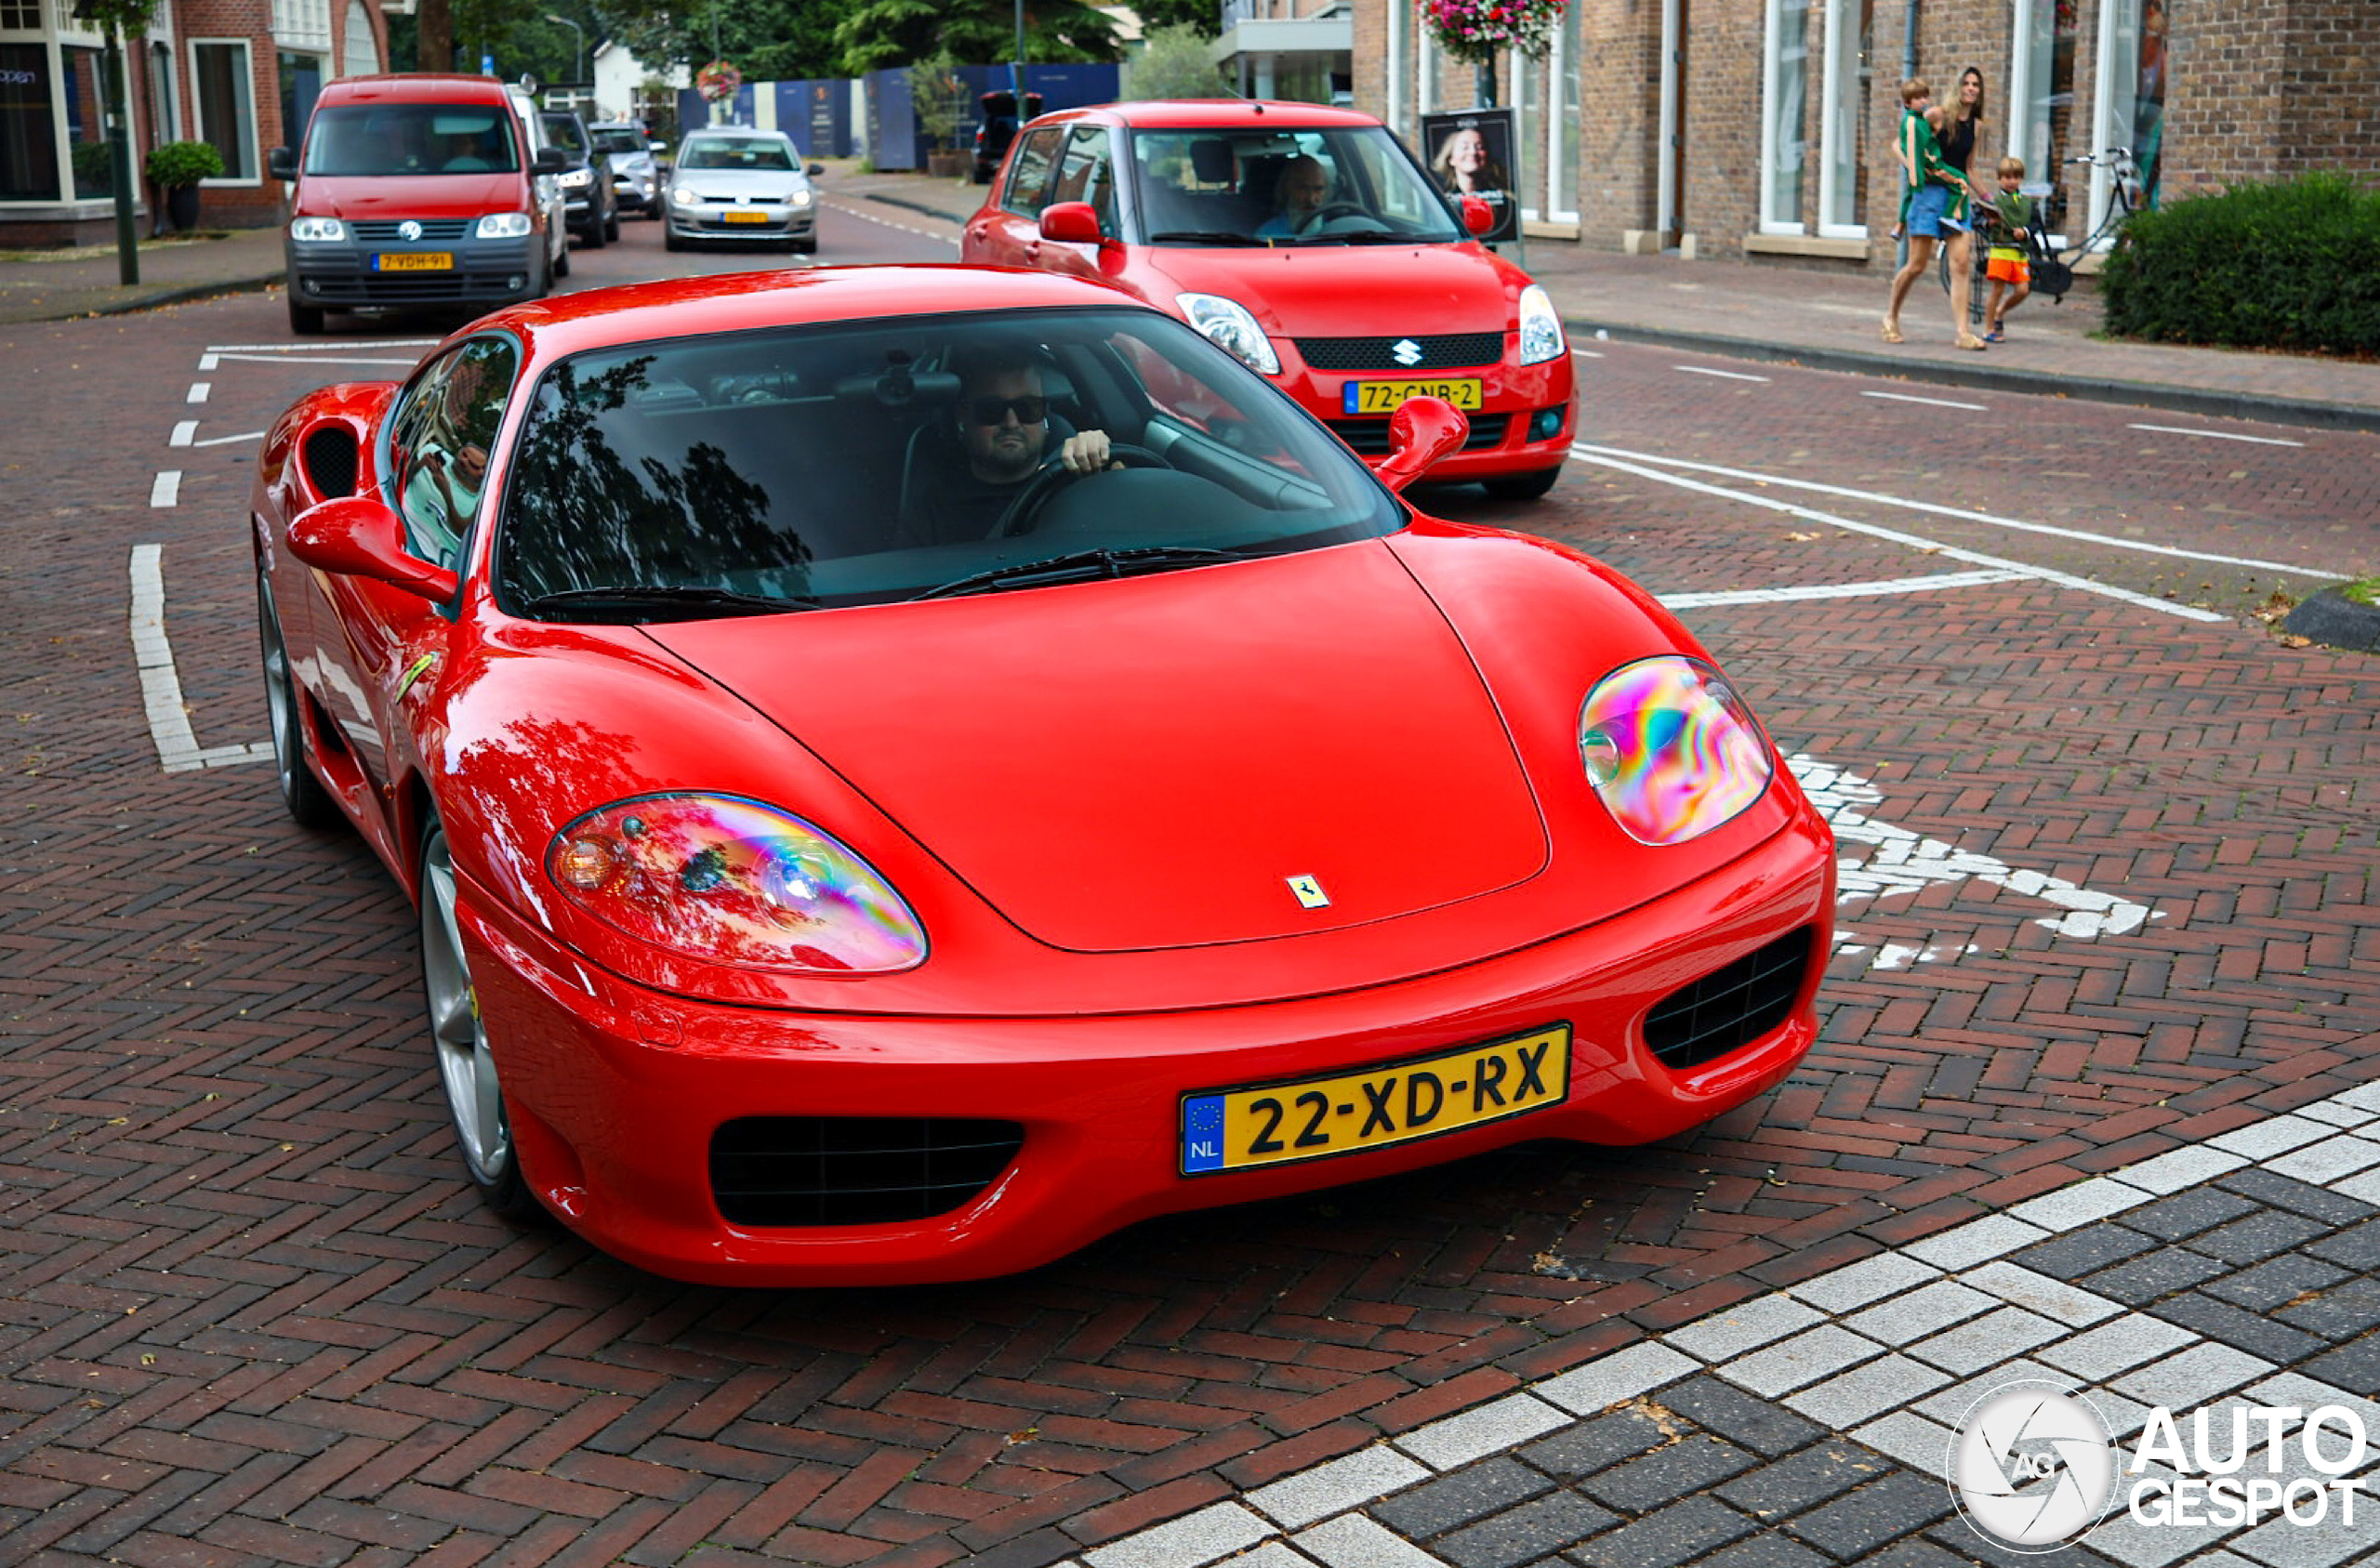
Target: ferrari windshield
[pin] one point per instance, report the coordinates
(1283, 185)
(905, 458)
(383, 138)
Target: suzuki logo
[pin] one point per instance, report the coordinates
(409, 229)
(1408, 352)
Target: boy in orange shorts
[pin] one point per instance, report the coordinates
(2004, 264)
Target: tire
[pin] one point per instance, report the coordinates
(669, 240)
(458, 1043)
(611, 222)
(306, 321)
(561, 264)
(310, 804)
(595, 238)
(806, 245)
(1523, 487)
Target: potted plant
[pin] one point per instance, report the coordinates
(176, 169)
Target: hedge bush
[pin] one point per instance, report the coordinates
(2286, 266)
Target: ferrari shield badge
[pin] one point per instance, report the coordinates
(1309, 892)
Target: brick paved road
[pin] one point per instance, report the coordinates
(251, 1315)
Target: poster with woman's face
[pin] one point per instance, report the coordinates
(1470, 154)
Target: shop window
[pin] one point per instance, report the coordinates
(1848, 93)
(28, 127)
(86, 135)
(2132, 94)
(1783, 148)
(2040, 88)
(227, 111)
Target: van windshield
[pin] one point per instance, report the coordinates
(388, 138)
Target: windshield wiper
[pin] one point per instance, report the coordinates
(1207, 236)
(1081, 566)
(691, 599)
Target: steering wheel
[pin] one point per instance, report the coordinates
(1026, 506)
(1329, 210)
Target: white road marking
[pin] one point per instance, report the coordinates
(1729, 374)
(218, 440)
(2218, 435)
(198, 391)
(1932, 403)
(167, 489)
(1587, 353)
(845, 206)
(1916, 541)
(206, 361)
(183, 431)
(315, 358)
(160, 687)
(2020, 525)
(1841, 590)
(307, 351)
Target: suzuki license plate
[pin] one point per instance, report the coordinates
(1382, 397)
(413, 261)
(1314, 1118)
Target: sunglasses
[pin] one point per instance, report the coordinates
(1029, 410)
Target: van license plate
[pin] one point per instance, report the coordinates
(414, 261)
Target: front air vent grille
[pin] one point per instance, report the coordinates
(1729, 1009)
(773, 1171)
(331, 460)
(1427, 353)
(1368, 438)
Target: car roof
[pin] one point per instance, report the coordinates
(736, 133)
(1217, 114)
(569, 323)
(414, 88)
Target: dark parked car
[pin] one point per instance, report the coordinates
(998, 128)
(589, 206)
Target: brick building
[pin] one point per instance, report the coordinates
(1763, 128)
(241, 75)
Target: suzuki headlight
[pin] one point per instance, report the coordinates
(317, 230)
(504, 226)
(1671, 750)
(723, 878)
(1227, 322)
(1541, 336)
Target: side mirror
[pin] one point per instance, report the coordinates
(359, 537)
(1420, 432)
(1478, 217)
(282, 163)
(551, 160)
(1073, 222)
(813, 170)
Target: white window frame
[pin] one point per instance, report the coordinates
(1392, 105)
(2106, 129)
(198, 110)
(1839, 123)
(1772, 73)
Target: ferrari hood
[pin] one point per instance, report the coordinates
(1342, 291)
(1227, 754)
(396, 196)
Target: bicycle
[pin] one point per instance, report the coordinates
(2053, 273)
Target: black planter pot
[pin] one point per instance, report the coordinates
(181, 205)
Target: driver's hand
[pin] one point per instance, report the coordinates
(1085, 452)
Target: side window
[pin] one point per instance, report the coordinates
(440, 440)
(1088, 174)
(1029, 179)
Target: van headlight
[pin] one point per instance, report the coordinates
(504, 226)
(317, 230)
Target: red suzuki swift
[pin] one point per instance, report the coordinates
(1313, 246)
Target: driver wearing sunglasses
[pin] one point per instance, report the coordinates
(1004, 435)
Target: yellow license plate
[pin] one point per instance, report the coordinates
(1236, 1129)
(1382, 397)
(743, 218)
(414, 261)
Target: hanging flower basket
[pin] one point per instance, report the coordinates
(717, 81)
(1474, 30)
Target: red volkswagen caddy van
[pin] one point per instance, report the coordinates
(424, 190)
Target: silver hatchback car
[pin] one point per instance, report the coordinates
(747, 186)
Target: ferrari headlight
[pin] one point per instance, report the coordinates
(1671, 749)
(1229, 324)
(732, 880)
(317, 229)
(504, 226)
(1540, 328)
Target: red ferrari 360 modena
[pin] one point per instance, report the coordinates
(1309, 242)
(906, 770)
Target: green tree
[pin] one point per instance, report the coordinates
(768, 40)
(1173, 63)
(880, 33)
(1204, 18)
(940, 99)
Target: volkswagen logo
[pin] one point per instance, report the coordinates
(2033, 1466)
(409, 229)
(1407, 351)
